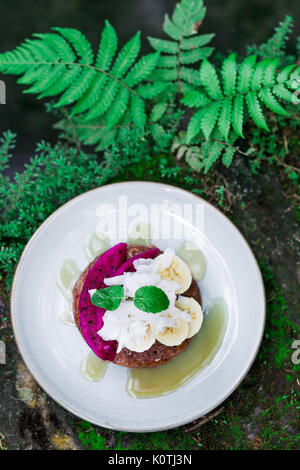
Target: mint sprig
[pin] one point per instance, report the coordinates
(150, 299)
(108, 298)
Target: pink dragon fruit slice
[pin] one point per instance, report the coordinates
(91, 316)
(112, 263)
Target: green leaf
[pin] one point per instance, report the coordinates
(215, 150)
(104, 103)
(127, 56)
(150, 90)
(80, 43)
(229, 74)
(238, 115)
(151, 299)
(196, 41)
(210, 80)
(268, 99)
(142, 69)
(255, 111)
(228, 156)
(224, 121)
(78, 88)
(245, 74)
(108, 298)
(171, 30)
(118, 108)
(196, 55)
(194, 125)
(91, 96)
(107, 48)
(163, 45)
(195, 99)
(158, 111)
(138, 112)
(210, 118)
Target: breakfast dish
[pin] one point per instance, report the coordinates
(129, 332)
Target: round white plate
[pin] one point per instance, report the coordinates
(53, 351)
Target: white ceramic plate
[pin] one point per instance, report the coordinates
(53, 351)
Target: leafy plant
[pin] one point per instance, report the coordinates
(63, 63)
(184, 48)
(102, 94)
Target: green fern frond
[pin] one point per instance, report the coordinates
(63, 63)
(247, 89)
(184, 48)
(274, 48)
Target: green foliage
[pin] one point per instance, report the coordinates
(245, 88)
(184, 48)
(62, 63)
(274, 48)
(102, 96)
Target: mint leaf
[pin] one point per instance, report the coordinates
(151, 299)
(108, 298)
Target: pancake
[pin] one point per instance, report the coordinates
(158, 354)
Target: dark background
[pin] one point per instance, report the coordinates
(236, 24)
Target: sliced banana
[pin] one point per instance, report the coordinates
(143, 344)
(175, 270)
(194, 308)
(175, 335)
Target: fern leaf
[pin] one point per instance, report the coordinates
(229, 74)
(224, 121)
(195, 55)
(214, 152)
(268, 99)
(168, 61)
(127, 56)
(138, 112)
(238, 115)
(245, 74)
(118, 108)
(255, 111)
(63, 82)
(78, 88)
(210, 80)
(159, 135)
(258, 75)
(282, 92)
(269, 74)
(80, 43)
(195, 99)
(91, 96)
(192, 43)
(141, 69)
(210, 118)
(190, 76)
(50, 77)
(58, 44)
(228, 156)
(194, 124)
(158, 111)
(102, 106)
(107, 48)
(163, 45)
(285, 73)
(150, 91)
(170, 29)
(33, 74)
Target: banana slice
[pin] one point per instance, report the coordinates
(173, 336)
(176, 270)
(143, 343)
(194, 308)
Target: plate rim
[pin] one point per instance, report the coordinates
(103, 423)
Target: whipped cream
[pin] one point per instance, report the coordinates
(129, 325)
